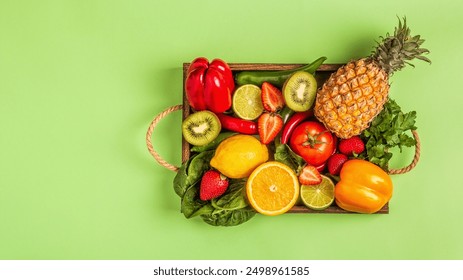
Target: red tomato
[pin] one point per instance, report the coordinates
(313, 142)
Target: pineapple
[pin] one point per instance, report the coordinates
(352, 97)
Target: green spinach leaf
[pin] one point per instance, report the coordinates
(191, 171)
(198, 165)
(229, 218)
(192, 206)
(180, 180)
(234, 198)
(227, 210)
(285, 155)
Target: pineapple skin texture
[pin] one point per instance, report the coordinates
(352, 97)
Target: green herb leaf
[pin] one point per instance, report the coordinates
(386, 131)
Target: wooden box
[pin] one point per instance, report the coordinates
(322, 74)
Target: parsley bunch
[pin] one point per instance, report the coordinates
(386, 131)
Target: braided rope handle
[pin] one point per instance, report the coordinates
(149, 134)
(169, 166)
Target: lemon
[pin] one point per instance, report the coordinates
(237, 156)
(247, 102)
(318, 197)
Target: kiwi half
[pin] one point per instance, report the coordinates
(201, 128)
(300, 90)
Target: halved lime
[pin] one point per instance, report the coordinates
(318, 197)
(247, 102)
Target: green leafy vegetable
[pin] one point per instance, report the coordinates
(191, 171)
(192, 206)
(198, 165)
(180, 180)
(213, 145)
(229, 218)
(230, 209)
(234, 198)
(285, 155)
(388, 130)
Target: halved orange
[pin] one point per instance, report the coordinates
(272, 188)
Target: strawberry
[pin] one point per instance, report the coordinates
(272, 98)
(335, 163)
(351, 145)
(310, 176)
(269, 125)
(213, 184)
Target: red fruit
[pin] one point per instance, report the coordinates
(272, 98)
(269, 125)
(237, 124)
(351, 146)
(310, 176)
(321, 167)
(213, 184)
(209, 85)
(293, 122)
(313, 142)
(335, 163)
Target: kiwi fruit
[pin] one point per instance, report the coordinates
(201, 128)
(300, 90)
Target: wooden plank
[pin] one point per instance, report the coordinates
(333, 209)
(271, 67)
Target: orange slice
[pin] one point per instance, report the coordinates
(272, 188)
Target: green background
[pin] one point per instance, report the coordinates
(80, 81)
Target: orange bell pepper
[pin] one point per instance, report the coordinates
(364, 187)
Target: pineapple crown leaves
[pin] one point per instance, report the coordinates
(394, 52)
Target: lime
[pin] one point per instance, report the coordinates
(247, 102)
(318, 197)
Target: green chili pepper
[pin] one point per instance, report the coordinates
(286, 113)
(276, 78)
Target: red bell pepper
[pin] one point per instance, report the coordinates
(209, 85)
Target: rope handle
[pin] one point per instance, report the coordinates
(169, 166)
(149, 134)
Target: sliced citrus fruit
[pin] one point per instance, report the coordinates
(247, 102)
(318, 197)
(272, 188)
